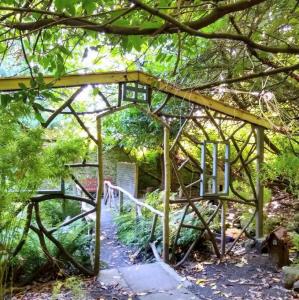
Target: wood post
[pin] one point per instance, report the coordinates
(98, 200)
(167, 181)
(223, 227)
(152, 234)
(259, 185)
(121, 202)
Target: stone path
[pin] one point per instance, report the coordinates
(155, 281)
(113, 253)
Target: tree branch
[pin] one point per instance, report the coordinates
(247, 77)
(174, 26)
(58, 244)
(63, 106)
(81, 123)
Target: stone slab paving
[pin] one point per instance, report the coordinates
(155, 281)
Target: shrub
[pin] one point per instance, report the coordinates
(135, 231)
(285, 167)
(31, 259)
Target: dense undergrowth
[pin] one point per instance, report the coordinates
(33, 262)
(26, 163)
(135, 231)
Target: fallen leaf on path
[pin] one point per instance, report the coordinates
(201, 281)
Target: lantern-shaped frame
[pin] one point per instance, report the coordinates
(135, 92)
(215, 176)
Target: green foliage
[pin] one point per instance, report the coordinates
(271, 223)
(74, 238)
(284, 166)
(131, 128)
(132, 231)
(63, 151)
(73, 284)
(188, 235)
(135, 231)
(295, 241)
(26, 161)
(56, 211)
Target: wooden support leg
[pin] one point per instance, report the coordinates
(167, 180)
(98, 200)
(259, 185)
(223, 220)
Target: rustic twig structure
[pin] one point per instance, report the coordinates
(203, 121)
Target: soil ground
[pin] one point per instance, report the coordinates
(250, 276)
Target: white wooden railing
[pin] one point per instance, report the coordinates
(109, 197)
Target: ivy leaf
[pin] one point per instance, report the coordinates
(67, 5)
(5, 99)
(64, 50)
(61, 4)
(89, 5)
(38, 116)
(22, 86)
(136, 42)
(38, 106)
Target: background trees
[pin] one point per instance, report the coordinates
(244, 52)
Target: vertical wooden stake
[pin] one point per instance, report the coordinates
(167, 181)
(259, 185)
(98, 200)
(121, 202)
(152, 234)
(64, 201)
(223, 220)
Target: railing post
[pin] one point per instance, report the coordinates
(98, 200)
(152, 234)
(167, 180)
(259, 186)
(121, 201)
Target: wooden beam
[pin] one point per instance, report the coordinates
(202, 100)
(13, 84)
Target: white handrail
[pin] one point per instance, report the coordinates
(153, 210)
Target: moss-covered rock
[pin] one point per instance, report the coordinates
(290, 275)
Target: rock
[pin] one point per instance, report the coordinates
(290, 276)
(296, 286)
(296, 205)
(296, 217)
(260, 245)
(249, 244)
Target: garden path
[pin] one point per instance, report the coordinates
(113, 252)
(155, 281)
